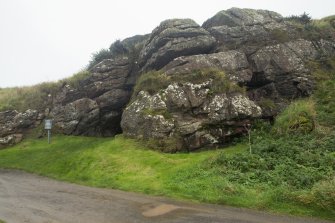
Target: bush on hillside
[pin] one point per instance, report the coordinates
(303, 18)
(117, 48)
(298, 117)
(99, 56)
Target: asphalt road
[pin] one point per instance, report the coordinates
(29, 198)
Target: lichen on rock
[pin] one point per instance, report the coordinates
(193, 108)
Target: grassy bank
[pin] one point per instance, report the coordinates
(207, 176)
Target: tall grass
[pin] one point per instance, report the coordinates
(37, 97)
(23, 98)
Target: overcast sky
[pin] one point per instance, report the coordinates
(47, 40)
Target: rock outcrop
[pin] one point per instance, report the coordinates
(14, 124)
(248, 29)
(197, 116)
(191, 113)
(95, 106)
(263, 57)
(234, 63)
(172, 39)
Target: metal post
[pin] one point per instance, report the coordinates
(49, 136)
(48, 127)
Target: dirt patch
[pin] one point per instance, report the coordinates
(160, 210)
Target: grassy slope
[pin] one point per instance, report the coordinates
(125, 164)
(118, 163)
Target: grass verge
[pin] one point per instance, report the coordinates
(127, 165)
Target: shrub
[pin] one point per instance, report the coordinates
(298, 117)
(117, 48)
(99, 56)
(303, 18)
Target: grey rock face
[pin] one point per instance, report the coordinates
(234, 63)
(273, 76)
(76, 117)
(13, 124)
(94, 107)
(242, 17)
(248, 29)
(280, 74)
(190, 112)
(174, 38)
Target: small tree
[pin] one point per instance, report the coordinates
(305, 18)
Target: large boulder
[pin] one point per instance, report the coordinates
(242, 17)
(78, 118)
(189, 113)
(94, 106)
(248, 29)
(174, 38)
(14, 124)
(280, 73)
(234, 63)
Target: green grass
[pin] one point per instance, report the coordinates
(118, 163)
(127, 165)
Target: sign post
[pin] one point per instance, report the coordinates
(48, 126)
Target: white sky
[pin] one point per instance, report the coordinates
(46, 40)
